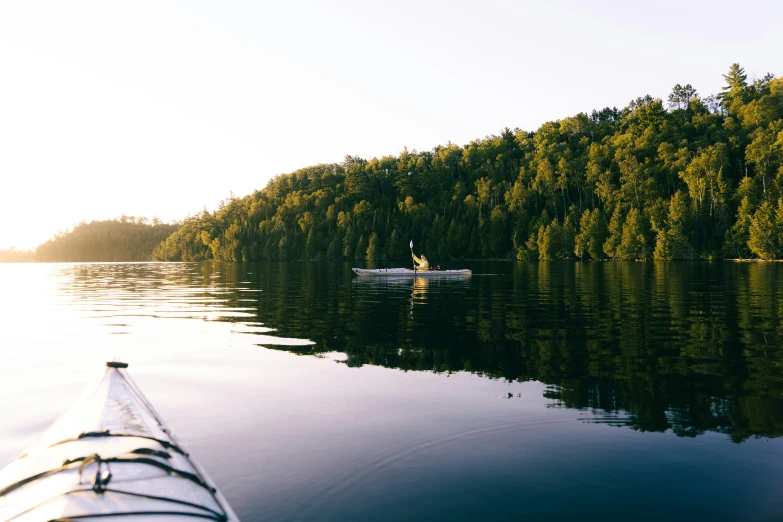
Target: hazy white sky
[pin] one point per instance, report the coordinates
(161, 107)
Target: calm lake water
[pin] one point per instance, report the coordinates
(530, 391)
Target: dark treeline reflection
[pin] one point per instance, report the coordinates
(690, 347)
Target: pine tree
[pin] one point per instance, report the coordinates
(764, 233)
(592, 235)
(615, 234)
(373, 249)
(736, 82)
(633, 244)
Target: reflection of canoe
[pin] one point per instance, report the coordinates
(407, 272)
(110, 455)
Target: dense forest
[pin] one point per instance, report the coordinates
(122, 239)
(688, 178)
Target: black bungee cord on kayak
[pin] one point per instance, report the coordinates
(106, 433)
(109, 487)
(96, 459)
(209, 515)
(103, 476)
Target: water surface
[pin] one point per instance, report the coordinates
(535, 391)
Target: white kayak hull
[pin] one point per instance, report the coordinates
(110, 456)
(407, 272)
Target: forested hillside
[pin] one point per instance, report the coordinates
(123, 239)
(692, 177)
(13, 255)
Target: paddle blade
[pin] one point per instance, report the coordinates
(411, 244)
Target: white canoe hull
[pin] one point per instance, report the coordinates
(407, 272)
(109, 455)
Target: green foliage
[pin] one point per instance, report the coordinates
(681, 97)
(635, 183)
(614, 233)
(672, 242)
(736, 83)
(592, 235)
(556, 241)
(766, 231)
(122, 239)
(633, 242)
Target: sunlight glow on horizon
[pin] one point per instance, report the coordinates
(163, 108)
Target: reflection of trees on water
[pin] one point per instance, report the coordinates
(691, 347)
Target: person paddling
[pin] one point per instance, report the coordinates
(423, 264)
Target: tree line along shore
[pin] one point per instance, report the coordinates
(687, 178)
(126, 238)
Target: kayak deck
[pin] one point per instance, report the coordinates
(407, 272)
(109, 456)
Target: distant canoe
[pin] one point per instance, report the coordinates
(407, 272)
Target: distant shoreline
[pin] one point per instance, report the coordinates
(494, 260)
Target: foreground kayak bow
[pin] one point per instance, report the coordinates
(109, 456)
